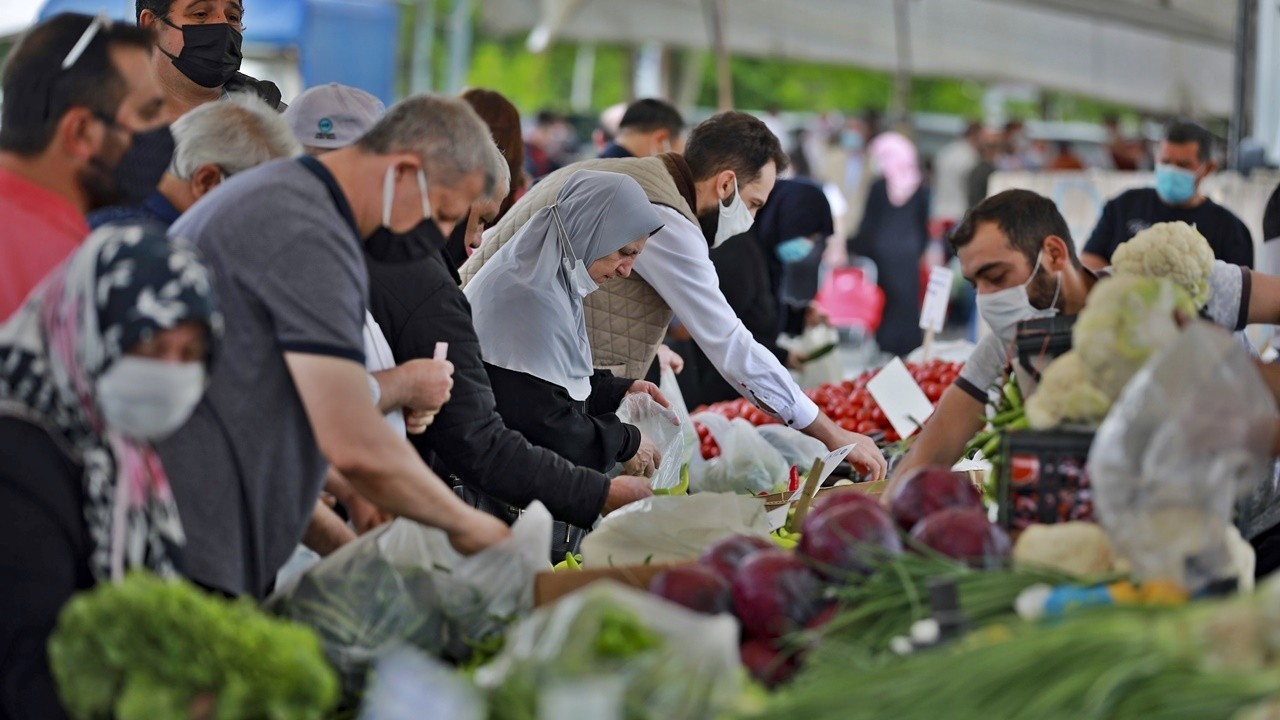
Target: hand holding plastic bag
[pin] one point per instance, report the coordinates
(1188, 436)
(670, 529)
(688, 671)
(405, 584)
(662, 427)
(748, 464)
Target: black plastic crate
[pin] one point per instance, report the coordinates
(1043, 478)
(1040, 341)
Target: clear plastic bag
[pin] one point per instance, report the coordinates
(670, 387)
(795, 447)
(661, 426)
(405, 584)
(1188, 437)
(670, 529)
(692, 673)
(747, 464)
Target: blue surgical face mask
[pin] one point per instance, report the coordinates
(851, 140)
(1174, 185)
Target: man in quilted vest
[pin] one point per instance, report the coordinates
(704, 197)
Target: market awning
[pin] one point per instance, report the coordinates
(1158, 55)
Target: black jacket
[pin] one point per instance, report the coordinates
(44, 560)
(414, 296)
(587, 433)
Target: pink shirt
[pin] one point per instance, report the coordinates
(38, 230)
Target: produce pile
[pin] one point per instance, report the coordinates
(849, 545)
(849, 403)
(152, 649)
(1184, 662)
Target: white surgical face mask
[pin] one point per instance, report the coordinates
(1003, 310)
(735, 218)
(147, 400)
(580, 281)
(389, 195)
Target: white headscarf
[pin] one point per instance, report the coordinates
(527, 314)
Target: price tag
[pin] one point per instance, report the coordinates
(777, 517)
(901, 399)
(936, 298)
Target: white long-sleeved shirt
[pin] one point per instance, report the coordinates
(676, 263)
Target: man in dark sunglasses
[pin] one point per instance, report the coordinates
(199, 44)
(82, 127)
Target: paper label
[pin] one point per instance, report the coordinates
(936, 298)
(901, 399)
(777, 517)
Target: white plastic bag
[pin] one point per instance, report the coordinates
(795, 447)
(822, 370)
(670, 387)
(1188, 436)
(747, 464)
(661, 426)
(669, 529)
(693, 672)
(405, 584)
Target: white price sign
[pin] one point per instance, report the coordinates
(936, 298)
(901, 399)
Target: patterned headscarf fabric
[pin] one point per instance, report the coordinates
(123, 286)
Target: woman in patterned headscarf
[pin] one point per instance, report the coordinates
(107, 355)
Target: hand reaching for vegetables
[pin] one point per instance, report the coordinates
(865, 455)
(624, 490)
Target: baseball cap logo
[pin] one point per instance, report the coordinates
(325, 127)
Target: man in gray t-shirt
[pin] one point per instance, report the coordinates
(289, 389)
(1018, 239)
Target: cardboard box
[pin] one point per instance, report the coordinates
(550, 586)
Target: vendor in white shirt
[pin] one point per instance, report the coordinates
(1016, 250)
(704, 197)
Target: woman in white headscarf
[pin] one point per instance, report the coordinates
(528, 310)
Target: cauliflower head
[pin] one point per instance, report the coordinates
(1172, 250)
(1125, 321)
(1065, 394)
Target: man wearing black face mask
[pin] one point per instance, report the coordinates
(82, 128)
(199, 43)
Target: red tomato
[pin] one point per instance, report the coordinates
(933, 391)
(862, 414)
(847, 424)
(877, 416)
(866, 427)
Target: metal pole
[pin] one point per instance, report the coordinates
(1243, 68)
(459, 45)
(424, 44)
(902, 79)
(584, 74)
(715, 10)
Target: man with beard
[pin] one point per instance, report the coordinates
(199, 43)
(82, 128)
(1016, 250)
(705, 196)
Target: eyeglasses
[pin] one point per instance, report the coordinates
(101, 22)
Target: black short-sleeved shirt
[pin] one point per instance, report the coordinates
(1136, 210)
